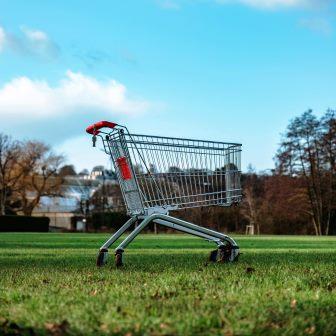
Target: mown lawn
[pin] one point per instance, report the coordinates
(281, 286)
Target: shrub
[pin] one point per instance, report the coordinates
(24, 224)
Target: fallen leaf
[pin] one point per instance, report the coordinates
(57, 329)
(104, 327)
(274, 325)
(311, 330)
(250, 270)
(3, 321)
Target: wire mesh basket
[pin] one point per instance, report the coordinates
(158, 174)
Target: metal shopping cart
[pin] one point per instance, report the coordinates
(161, 174)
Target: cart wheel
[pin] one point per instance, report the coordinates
(102, 257)
(213, 256)
(236, 254)
(226, 253)
(118, 259)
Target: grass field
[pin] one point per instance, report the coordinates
(281, 286)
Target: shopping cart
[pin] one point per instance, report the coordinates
(162, 174)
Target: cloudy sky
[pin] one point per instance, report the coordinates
(231, 70)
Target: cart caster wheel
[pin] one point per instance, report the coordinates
(236, 257)
(213, 256)
(236, 253)
(224, 253)
(102, 257)
(228, 253)
(118, 259)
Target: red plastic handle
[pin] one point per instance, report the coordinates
(124, 168)
(94, 129)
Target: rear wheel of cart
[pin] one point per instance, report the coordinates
(223, 254)
(213, 256)
(118, 259)
(102, 257)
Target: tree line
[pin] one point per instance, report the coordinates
(300, 194)
(297, 197)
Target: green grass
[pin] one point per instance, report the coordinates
(166, 288)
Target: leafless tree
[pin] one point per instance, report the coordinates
(40, 166)
(28, 171)
(10, 171)
(67, 170)
(253, 198)
(308, 151)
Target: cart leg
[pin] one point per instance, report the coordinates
(133, 234)
(223, 241)
(103, 251)
(222, 254)
(231, 247)
(186, 230)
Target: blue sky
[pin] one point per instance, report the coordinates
(223, 70)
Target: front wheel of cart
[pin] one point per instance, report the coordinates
(213, 256)
(102, 257)
(118, 259)
(224, 254)
(228, 253)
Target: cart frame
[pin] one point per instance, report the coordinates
(190, 173)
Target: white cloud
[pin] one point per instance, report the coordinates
(32, 42)
(2, 38)
(259, 4)
(168, 4)
(318, 25)
(30, 98)
(35, 35)
(32, 108)
(275, 4)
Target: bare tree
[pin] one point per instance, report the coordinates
(308, 151)
(286, 207)
(10, 171)
(108, 197)
(28, 171)
(67, 170)
(39, 165)
(328, 124)
(253, 198)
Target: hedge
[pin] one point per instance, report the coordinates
(24, 224)
(112, 220)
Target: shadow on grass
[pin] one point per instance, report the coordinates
(10, 328)
(310, 318)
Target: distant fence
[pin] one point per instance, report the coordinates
(24, 224)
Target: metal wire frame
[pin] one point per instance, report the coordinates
(175, 173)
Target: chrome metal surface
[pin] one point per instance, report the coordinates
(174, 173)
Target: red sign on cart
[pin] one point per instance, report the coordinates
(124, 168)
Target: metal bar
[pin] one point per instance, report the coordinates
(117, 234)
(177, 221)
(220, 151)
(186, 230)
(183, 139)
